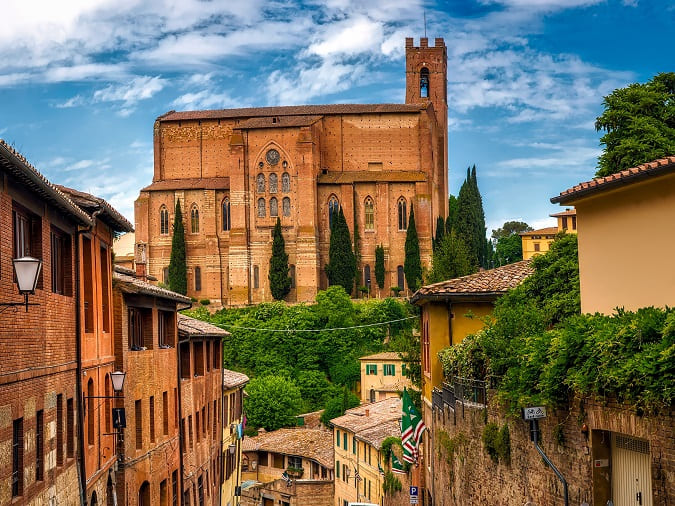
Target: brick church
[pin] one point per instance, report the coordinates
(235, 171)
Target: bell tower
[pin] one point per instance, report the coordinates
(426, 80)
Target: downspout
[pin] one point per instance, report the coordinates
(82, 471)
(222, 429)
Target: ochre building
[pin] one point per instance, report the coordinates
(236, 171)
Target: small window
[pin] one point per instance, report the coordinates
(140, 329)
(198, 365)
(70, 428)
(61, 262)
(285, 182)
(59, 429)
(366, 276)
(274, 207)
(165, 275)
(404, 370)
(424, 83)
(389, 370)
(227, 221)
(163, 221)
(274, 182)
(194, 219)
(337, 438)
(400, 277)
(402, 216)
(564, 223)
(185, 361)
(152, 418)
(166, 328)
(337, 468)
(574, 222)
(286, 206)
(138, 420)
(371, 369)
(291, 269)
(256, 277)
(354, 443)
(40, 445)
(370, 214)
(17, 458)
(198, 279)
(344, 440)
(333, 209)
(295, 462)
(262, 212)
(165, 413)
(260, 183)
(536, 246)
(90, 412)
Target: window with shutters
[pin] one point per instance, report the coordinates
(61, 260)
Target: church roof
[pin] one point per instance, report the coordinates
(190, 183)
(293, 110)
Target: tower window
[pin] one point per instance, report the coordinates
(260, 183)
(163, 221)
(402, 214)
(370, 214)
(194, 219)
(226, 215)
(274, 182)
(424, 83)
(333, 206)
(286, 206)
(285, 182)
(261, 208)
(274, 205)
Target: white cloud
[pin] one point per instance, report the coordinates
(139, 88)
(75, 101)
(546, 5)
(205, 99)
(349, 37)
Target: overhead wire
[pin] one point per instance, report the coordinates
(238, 327)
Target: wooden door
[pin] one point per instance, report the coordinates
(631, 471)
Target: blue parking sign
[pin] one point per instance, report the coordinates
(414, 491)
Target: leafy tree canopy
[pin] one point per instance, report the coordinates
(510, 228)
(450, 260)
(341, 266)
(272, 402)
(639, 124)
(337, 405)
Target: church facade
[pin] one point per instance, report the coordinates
(234, 171)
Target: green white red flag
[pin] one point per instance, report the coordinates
(412, 428)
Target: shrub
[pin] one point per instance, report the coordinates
(204, 302)
(391, 484)
(497, 443)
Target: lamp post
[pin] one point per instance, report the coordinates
(119, 419)
(27, 271)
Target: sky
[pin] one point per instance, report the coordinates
(82, 81)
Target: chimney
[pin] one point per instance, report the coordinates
(367, 412)
(140, 261)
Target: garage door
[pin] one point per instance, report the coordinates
(631, 471)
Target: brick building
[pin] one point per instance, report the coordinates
(145, 339)
(233, 388)
(200, 404)
(235, 171)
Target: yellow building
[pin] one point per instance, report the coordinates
(305, 455)
(357, 438)
(123, 248)
(383, 375)
(625, 240)
(233, 386)
(539, 241)
(451, 310)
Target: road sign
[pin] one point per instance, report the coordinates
(414, 491)
(534, 413)
(414, 499)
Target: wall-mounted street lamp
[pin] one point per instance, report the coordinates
(119, 419)
(27, 272)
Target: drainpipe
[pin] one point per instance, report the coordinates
(82, 471)
(181, 443)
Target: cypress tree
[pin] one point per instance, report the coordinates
(440, 232)
(484, 250)
(412, 266)
(177, 263)
(379, 266)
(280, 282)
(470, 222)
(452, 214)
(357, 256)
(341, 261)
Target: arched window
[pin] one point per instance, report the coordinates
(366, 276)
(400, 277)
(274, 182)
(261, 208)
(285, 182)
(274, 207)
(90, 411)
(163, 220)
(424, 83)
(226, 214)
(333, 207)
(198, 279)
(370, 214)
(402, 215)
(260, 183)
(286, 206)
(144, 494)
(194, 219)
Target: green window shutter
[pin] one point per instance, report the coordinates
(375, 369)
(344, 440)
(393, 369)
(338, 438)
(404, 371)
(354, 445)
(337, 468)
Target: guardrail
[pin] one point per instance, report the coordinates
(459, 389)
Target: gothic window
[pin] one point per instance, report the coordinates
(400, 278)
(285, 182)
(260, 183)
(261, 208)
(333, 207)
(402, 214)
(366, 276)
(274, 207)
(163, 220)
(226, 214)
(370, 214)
(286, 206)
(273, 182)
(424, 83)
(194, 219)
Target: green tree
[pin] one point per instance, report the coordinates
(178, 262)
(272, 402)
(341, 261)
(379, 266)
(470, 222)
(280, 282)
(337, 405)
(639, 124)
(357, 256)
(508, 243)
(510, 228)
(412, 265)
(452, 214)
(450, 260)
(315, 389)
(440, 232)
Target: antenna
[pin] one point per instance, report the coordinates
(425, 23)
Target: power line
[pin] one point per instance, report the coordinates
(237, 327)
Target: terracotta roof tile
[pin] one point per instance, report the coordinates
(310, 443)
(634, 174)
(130, 284)
(363, 176)
(385, 355)
(190, 327)
(382, 420)
(16, 164)
(232, 379)
(190, 183)
(292, 110)
(542, 231)
(278, 122)
(92, 203)
(491, 282)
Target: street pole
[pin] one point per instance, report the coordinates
(534, 431)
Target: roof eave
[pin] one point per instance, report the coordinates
(419, 299)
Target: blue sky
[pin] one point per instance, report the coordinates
(82, 81)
